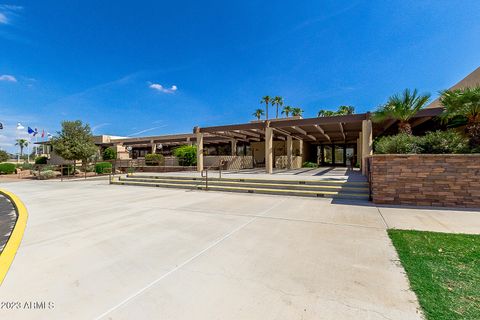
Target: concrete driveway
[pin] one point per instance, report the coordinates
(96, 251)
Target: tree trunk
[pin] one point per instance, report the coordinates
(405, 127)
(473, 130)
(266, 111)
(277, 113)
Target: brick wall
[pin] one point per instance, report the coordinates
(426, 180)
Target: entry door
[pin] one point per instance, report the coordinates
(327, 155)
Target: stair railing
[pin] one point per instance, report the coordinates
(205, 170)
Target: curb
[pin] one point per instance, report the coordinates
(10, 249)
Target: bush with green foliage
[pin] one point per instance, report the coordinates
(449, 141)
(401, 143)
(67, 170)
(48, 174)
(187, 155)
(25, 166)
(309, 165)
(153, 159)
(7, 168)
(41, 160)
(109, 154)
(103, 167)
(4, 156)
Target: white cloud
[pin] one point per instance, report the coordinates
(8, 10)
(159, 87)
(3, 19)
(7, 77)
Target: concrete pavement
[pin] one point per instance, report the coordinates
(97, 251)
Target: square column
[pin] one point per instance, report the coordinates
(289, 152)
(359, 150)
(154, 147)
(367, 143)
(268, 150)
(234, 147)
(199, 151)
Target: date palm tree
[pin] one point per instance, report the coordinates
(465, 104)
(297, 112)
(345, 110)
(266, 100)
(258, 113)
(278, 102)
(287, 110)
(402, 108)
(326, 113)
(22, 143)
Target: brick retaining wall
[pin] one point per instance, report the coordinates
(451, 180)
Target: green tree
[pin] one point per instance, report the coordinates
(4, 156)
(402, 108)
(287, 110)
(22, 143)
(258, 113)
(187, 155)
(326, 113)
(345, 110)
(266, 100)
(109, 154)
(74, 142)
(278, 102)
(297, 112)
(464, 103)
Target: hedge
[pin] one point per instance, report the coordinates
(103, 167)
(153, 159)
(41, 160)
(7, 168)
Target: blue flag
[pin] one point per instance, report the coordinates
(30, 130)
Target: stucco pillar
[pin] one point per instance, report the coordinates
(359, 149)
(199, 151)
(367, 143)
(154, 147)
(234, 147)
(268, 150)
(289, 152)
(300, 150)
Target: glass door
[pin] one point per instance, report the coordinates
(339, 154)
(327, 155)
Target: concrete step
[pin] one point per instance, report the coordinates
(323, 193)
(265, 184)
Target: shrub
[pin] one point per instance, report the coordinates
(187, 155)
(4, 156)
(449, 141)
(7, 168)
(67, 170)
(25, 166)
(399, 144)
(103, 167)
(41, 160)
(309, 165)
(109, 154)
(48, 174)
(153, 159)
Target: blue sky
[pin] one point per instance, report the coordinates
(156, 67)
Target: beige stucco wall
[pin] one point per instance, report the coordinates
(232, 162)
(279, 149)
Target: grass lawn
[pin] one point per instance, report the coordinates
(444, 272)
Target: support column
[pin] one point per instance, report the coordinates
(154, 147)
(300, 150)
(367, 143)
(359, 150)
(199, 150)
(234, 147)
(268, 150)
(289, 152)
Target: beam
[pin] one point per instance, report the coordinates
(342, 131)
(248, 133)
(233, 127)
(319, 121)
(299, 130)
(320, 129)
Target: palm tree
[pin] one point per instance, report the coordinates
(22, 143)
(266, 100)
(326, 113)
(287, 110)
(403, 108)
(464, 103)
(297, 112)
(345, 110)
(258, 113)
(278, 101)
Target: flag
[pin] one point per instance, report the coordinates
(35, 132)
(1, 126)
(30, 130)
(43, 133)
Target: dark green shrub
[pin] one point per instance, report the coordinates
(4, 156)
(41, 160)
(309, 165)
(103, 167)
(7, 168)
(25, 166)
(187, 155)
(399, 144)
(109, 154)
(67, 170)
(449, 141)
(153, 159)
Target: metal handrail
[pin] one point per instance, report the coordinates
(219, 166)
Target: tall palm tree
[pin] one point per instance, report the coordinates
(345, 110)
(464, 103)
(297, 112)
(258, 113)
(266, 100)
(287, 110)
(402, 108)
(278, 102)
(326, 113)
(22, 143)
